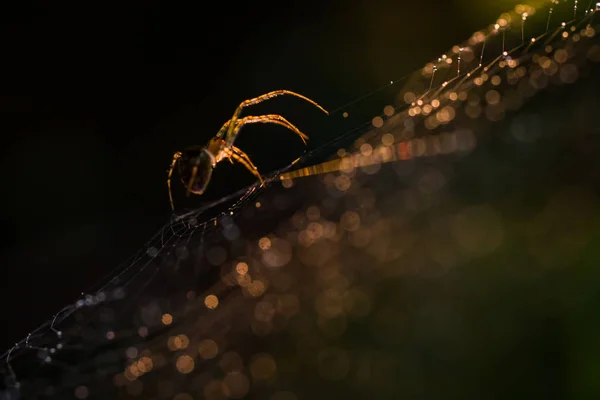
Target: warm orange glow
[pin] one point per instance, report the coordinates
(264, 243)
(208, 349)
(241, 268)
(185, 364)
(167, 319)
(211, 301)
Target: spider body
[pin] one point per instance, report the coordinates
(196, 163)
(195, 167)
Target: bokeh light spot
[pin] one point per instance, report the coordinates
(208, 349)
(236, 385)
(185, 364)
(263, 367)
(211, 301)
(167, 319)
(241, 268)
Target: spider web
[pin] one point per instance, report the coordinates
(265, 293)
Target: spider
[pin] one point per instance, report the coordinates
(196, 163)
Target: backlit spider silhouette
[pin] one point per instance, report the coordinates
(196, 163)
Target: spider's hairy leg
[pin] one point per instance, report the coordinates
(241, 157)
(176, 157)
(223, 129)
(267, 119)
(262, 98)
(276, 93)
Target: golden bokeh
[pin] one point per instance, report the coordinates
(185, 364)
(178, 342)
(208, 349)
(166, 319)
(264, 243)
(241, 268)
(211, 301)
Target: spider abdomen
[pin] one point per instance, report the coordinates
(195, 158)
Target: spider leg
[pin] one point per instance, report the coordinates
(267, 119)
(221, 134)
(241, 157)
(176, 157)
(223, 129)
(260, 99)
(276, 93)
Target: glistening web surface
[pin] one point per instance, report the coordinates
(452, 240)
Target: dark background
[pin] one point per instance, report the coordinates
(96, 98)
